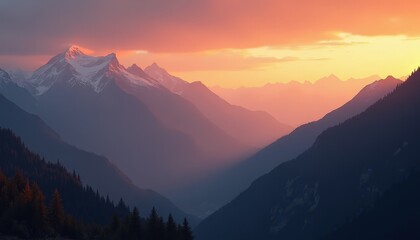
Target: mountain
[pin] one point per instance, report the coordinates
(393, 216)
(15, 93)
(174, 84)
(344, 172)
(22, 164)
(41, 200)
(180, 114)
(94, 103)
(296, 103)
(253, 128)
(303, 137)
(224, 186)
(93, 169)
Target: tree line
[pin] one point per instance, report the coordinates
(39, 199)
(25, 213)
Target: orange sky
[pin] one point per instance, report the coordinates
(230, 43)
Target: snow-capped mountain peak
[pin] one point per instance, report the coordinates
(73, 51)
(174, 84)
(79, 69)
(136, 70)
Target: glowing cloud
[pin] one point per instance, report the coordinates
(191, 36)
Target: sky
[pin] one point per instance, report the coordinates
(231, 43)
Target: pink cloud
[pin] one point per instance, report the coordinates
(47, 26)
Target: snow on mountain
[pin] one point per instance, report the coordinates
(136, 70)
(80, 69)
(174, 84)
(4, 77)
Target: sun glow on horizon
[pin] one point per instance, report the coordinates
(347, 56)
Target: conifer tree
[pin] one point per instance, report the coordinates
(26, 196)
(152, 225)
(135, 228)
(115, 224)
(171, 229)
(186, 233)
(57, 215)
(40, 211)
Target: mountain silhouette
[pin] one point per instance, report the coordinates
(393, 216)
(95, 103)
(253, 128)
(93, 169)
(226, 185)
(343, 174)
(296, 103)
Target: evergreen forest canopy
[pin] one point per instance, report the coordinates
(40, 200)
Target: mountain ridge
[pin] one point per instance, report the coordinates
(226, 185)
(254, 128)
(90, 101)
(344, 172)
(108, 179)
(296, 103)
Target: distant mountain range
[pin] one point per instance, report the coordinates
(224, 186)
(253, 128)
(296, 103)
(185, 141)
(141, 123)
(147, 123)
(343, 176)
(93, 169)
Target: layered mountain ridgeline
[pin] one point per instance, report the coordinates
(79, 201)
(82, 202)
(254, 128)
(223, 187)
(80, 98)
(72, 210)
(342, 175)
(296, 103)
(94, 170)
(146, 130)
(147, 123)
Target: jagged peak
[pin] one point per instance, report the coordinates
(155, 67)
(198, 85)
(112, 58)
(138, 71)
(73, 51)
(333, 76)
(111, 55)
(390, 78)
(85, 70)
(328, 80)
(154, 64)
(134, 67)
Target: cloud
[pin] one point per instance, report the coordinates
(47, 26)
(336, 43)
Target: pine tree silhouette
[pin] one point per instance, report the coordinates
(171, 229)
(57, 215)
(135, 225)
(186, 233)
